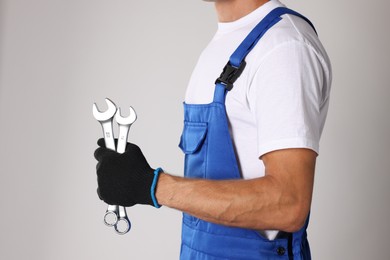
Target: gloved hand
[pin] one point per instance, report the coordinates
(125, 179)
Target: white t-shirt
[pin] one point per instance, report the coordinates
(280, 100)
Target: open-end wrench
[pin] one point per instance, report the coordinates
(124, 124)
(105, 119)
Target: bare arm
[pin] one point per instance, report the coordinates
(280, 200)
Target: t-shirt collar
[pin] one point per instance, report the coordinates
(252, 17)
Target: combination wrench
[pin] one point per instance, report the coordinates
(115, 215)
(123, 225)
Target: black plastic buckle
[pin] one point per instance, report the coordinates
(230, 74)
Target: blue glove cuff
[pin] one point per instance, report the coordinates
(153, 187)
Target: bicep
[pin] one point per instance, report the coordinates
(293, 171)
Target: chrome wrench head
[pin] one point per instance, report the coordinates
(105, 118)
(123, 225)
(111, 215)
(106, 115)
(126, 120)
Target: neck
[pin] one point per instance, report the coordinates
(232, 10)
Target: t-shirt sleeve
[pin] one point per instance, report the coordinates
(285, 98)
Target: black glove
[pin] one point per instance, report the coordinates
(125, 179)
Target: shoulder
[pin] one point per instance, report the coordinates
(290, 33)
(289, 44)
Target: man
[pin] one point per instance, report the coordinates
(251, 150)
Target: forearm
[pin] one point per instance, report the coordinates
(257, 204)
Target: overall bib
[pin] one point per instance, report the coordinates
(209, 154)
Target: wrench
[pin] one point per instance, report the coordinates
(105, 119)
(124, 124)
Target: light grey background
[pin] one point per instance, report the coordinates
(57, 57)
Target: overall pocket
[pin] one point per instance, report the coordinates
(193, 143)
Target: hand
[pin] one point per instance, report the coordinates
(124, 179)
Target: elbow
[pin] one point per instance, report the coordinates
(295, 225)
(297, 216)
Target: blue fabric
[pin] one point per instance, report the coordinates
(209, 154)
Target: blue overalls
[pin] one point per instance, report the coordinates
(209, 154)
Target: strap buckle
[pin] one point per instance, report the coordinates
(230, 74)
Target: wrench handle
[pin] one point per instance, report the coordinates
(108, 133)
(122, 138)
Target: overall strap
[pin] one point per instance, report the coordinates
(236, 64)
